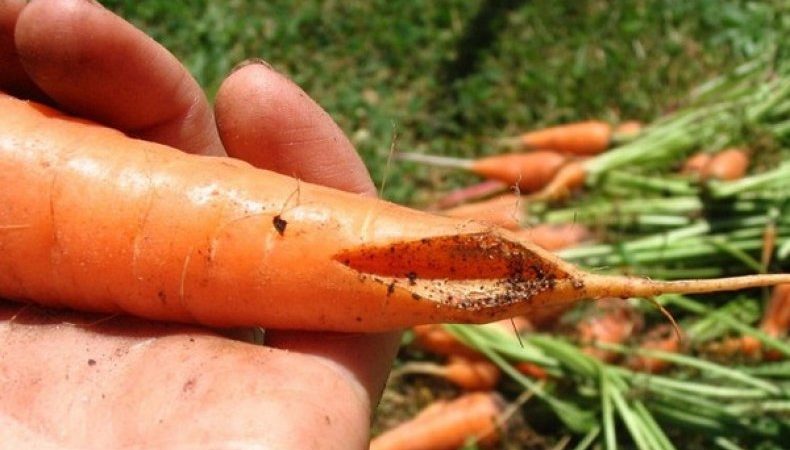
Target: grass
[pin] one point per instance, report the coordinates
(421, 71)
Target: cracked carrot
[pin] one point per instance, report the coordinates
(93, 220)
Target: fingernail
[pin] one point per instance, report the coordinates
(253, 61)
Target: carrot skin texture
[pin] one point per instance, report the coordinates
(111, 224)
(97, 221)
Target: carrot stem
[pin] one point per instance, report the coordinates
(603, 285)
(434, 160)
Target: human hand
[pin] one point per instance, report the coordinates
(82, 381)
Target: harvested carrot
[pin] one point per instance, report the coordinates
(475, 192)
(528, 171)
(569, 178)
(776, 319)
(469, 373)
(610, 322)
(447, 425)
(532, 370)
(696, 163)
(581, 138)
(627, 130)
(504, 211)
(555, 236)
(775, 323)
(436, 339)
(730, 164)
(663, 338)
(93, 220)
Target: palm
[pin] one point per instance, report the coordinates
(74, 380)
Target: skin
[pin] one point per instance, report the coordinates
(301, 390)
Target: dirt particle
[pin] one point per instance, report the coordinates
(279, 224)
(390, 289)
(359, 319)
(412, 276)
(189, 385)
(162, 296)
(416, 296)
(91, 362)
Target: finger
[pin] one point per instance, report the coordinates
(150, 385)
(95, 64)
(267, 120)
(13, 78)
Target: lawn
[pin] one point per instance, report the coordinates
(446, 77)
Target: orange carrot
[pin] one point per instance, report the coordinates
(436, 339)
(470, 193)
(532, 370)
(555, 236)
(581, 138)
(469, 373)
(663, 338)
(776, 319)
(696, 163)
(627, 130)
(569, 178)
(93, 220)
(610, 322)
(775, 322)
(447, 425)
(528, 171)
(504, 211)
(730, 164)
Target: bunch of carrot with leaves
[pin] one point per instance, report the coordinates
(622, 377)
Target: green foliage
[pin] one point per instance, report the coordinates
(382, 67)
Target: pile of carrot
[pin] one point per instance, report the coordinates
(636, 199)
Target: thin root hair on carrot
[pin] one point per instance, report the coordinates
(665, 312)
